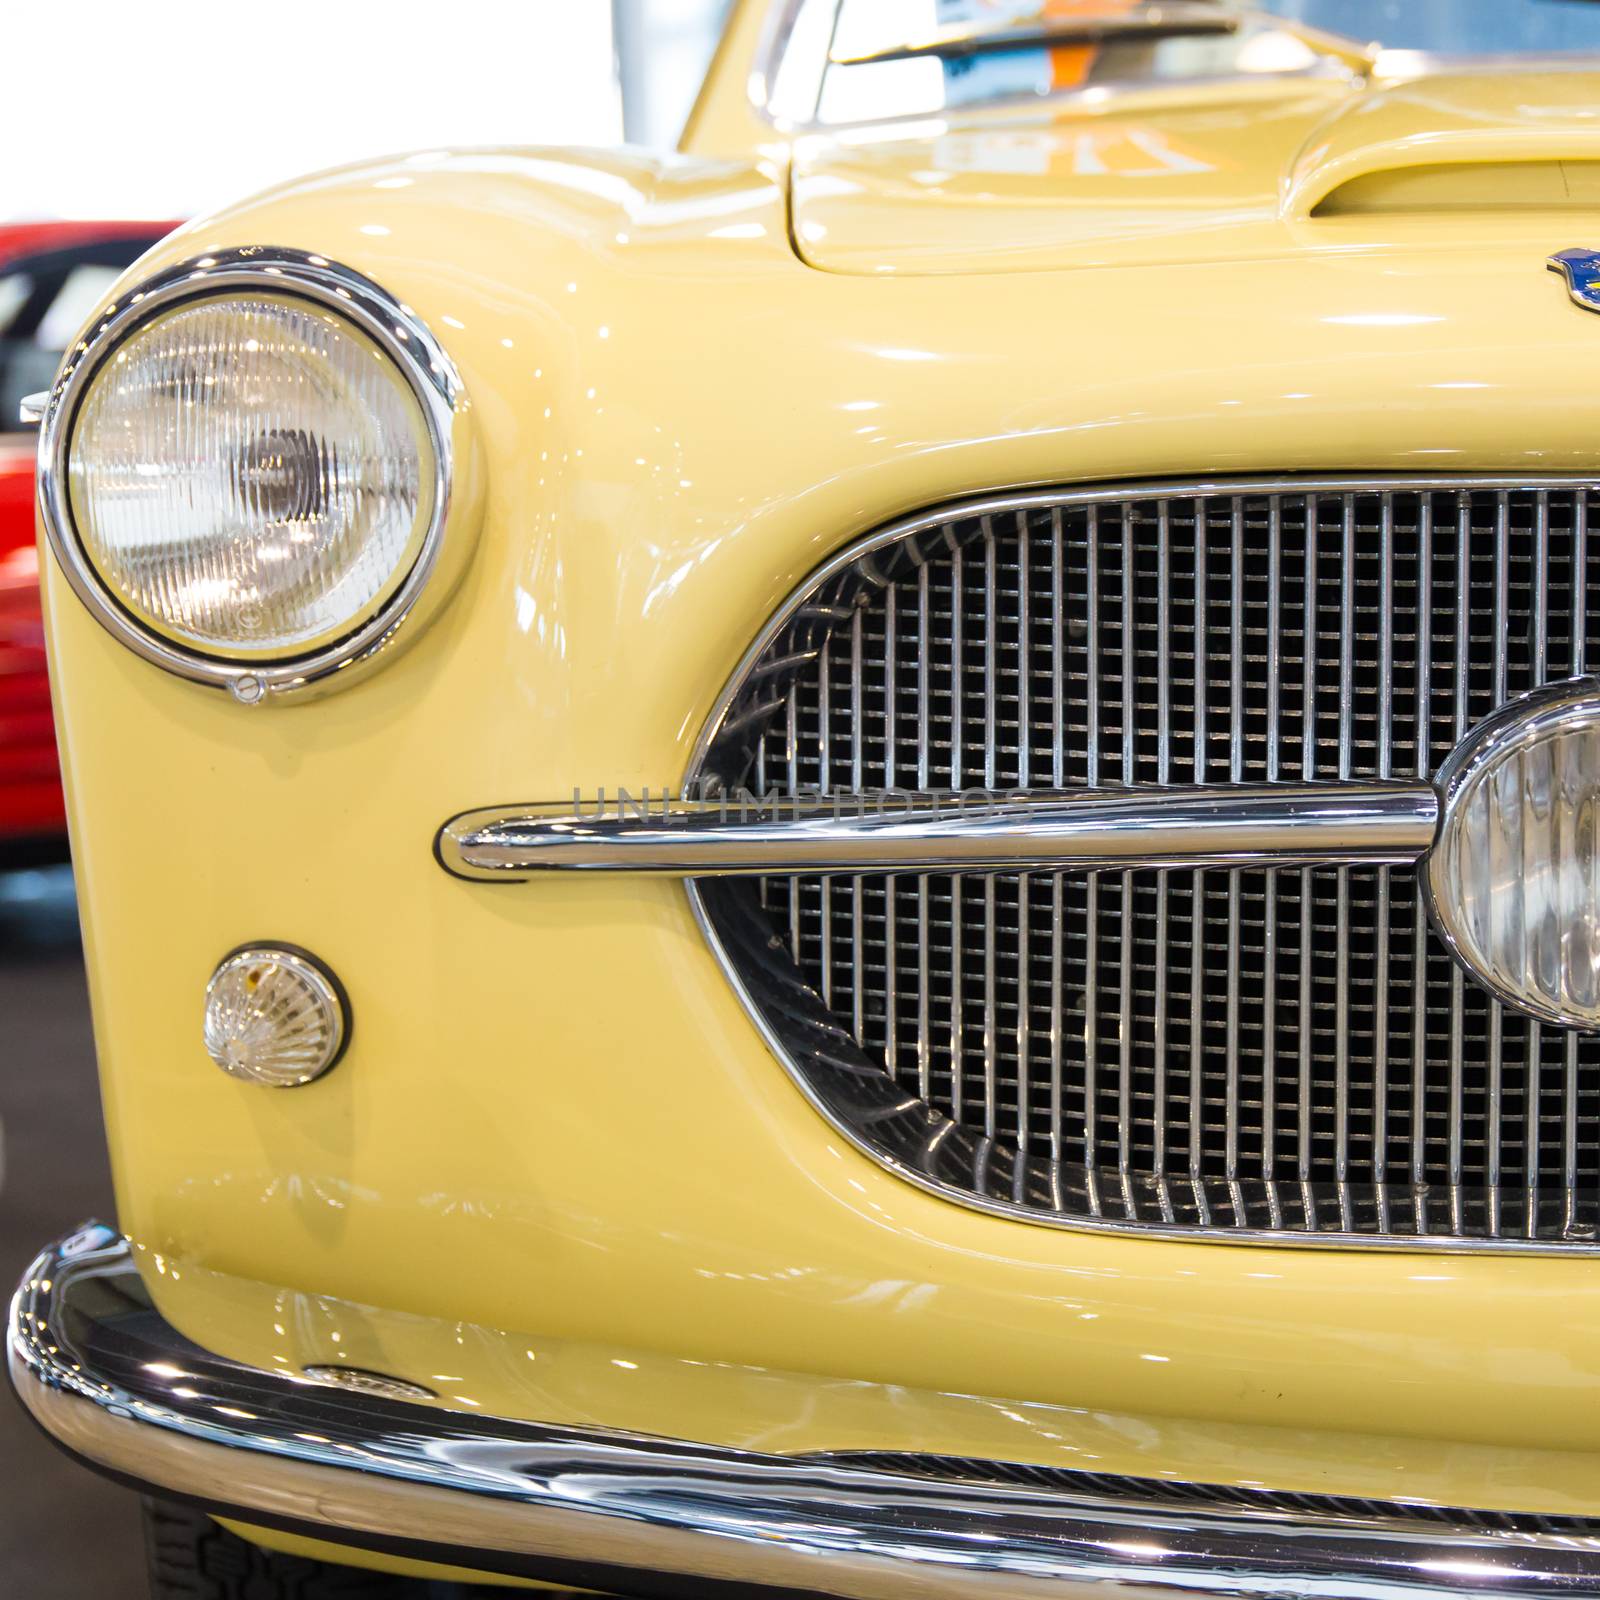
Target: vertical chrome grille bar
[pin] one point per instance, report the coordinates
(957, 681)
(1580, 628)
(891, 978)
(1380, 987)
(1274, 635)
(792, 762)
(1502, 592)
(1125, 1025)
(1580, 585)
(891, 890)
(1269, 889)
(1159, 1110)
(924, 1031)
(1163, 642)
(1347, 634)
(764, 888)
(858, 962)
(891, 705)
(1308, 710)
(1424, 769)
(924, 759)
(1539, 600)
(1308, 768)
(1024, 657)
(1457, 988)
(1024, 1019)
(991, 1035)
(924, 689)
(1130, 654)
(1058, 651)
(1230, 1134)
(824, 776)
(1202, 645)
(991, 654)
(1569, 1134)
(1386, 638)
(1130, 681)
(1540, 585)
(1091, 931)
(1197, 939)
(1236, 651)
(1025, 778)
(1091, 1014)
(1502, 622)
(858, 729)
(1202, 696)
(858, 965)
(1341, 999)
(825, 717)
(958, 943)
(1164, 648)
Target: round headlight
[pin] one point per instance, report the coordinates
(1514, 876)
(250, 476)
(247, 467)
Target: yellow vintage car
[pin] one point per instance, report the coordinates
(889, 832)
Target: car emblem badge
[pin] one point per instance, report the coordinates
(1582, 268)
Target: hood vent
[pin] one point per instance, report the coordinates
(1467, 186)
(1491, 141)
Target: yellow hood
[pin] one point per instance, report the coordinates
(1229, 172)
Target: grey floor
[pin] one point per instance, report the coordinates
(64, 1533)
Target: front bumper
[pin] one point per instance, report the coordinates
(110, 1380)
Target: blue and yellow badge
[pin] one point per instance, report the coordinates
(1582, 268)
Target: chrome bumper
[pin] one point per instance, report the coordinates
(96, 1365)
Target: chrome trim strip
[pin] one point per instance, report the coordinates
(1237, 825)
(396, 329)
(93, 1362)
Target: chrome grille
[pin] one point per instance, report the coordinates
(1286, 1051)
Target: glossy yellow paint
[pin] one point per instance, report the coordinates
(754, 1406)
(726, 120)
(1212, 173)
(555, 1116)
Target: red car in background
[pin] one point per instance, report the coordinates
(51, 276)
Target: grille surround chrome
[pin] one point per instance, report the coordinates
(911, 1138)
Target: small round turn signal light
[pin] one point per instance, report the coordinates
(275, 1015)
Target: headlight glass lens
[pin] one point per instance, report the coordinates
(251, 476)
(1515, 874)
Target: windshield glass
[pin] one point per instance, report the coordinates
(1456, 27)
(866, 60)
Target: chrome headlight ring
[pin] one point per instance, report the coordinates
(1518, 901)
(419, 359)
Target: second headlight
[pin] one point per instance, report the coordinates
(247, 468)
(1514, 877)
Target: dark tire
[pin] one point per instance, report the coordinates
(192, 1558)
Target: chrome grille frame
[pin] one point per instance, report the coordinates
(960, 1156)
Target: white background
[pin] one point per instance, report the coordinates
(176, 108)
